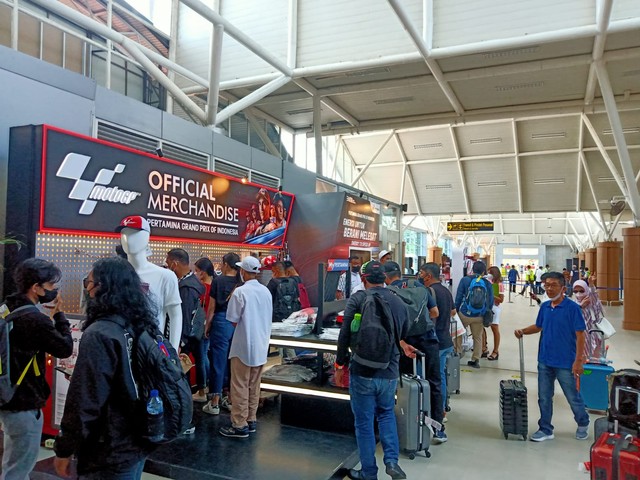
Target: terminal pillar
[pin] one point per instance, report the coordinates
(580, 260)
(631, 278)
(435, 255)
(590, 260)
(608, 271)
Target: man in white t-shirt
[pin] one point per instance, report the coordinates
(539, 273)
(356, 281)
(249, 310)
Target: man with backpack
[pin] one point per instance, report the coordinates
(284, 293)
(193, 317)
(421, 308)
(374, 326)
(27, 336)
(291, 272)
(474, 299)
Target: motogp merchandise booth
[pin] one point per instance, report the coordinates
(67, 193)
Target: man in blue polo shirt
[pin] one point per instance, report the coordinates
(560, 356)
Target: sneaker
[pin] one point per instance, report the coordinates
(199, 398)
(582, 433)
(540, 436)
(224, 403)
(233, 432)
(444, 419)
(474, 364)
(211, 409)
(252, 426)
(190, 431)
(440, 437)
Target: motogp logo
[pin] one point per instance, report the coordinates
(92, 192)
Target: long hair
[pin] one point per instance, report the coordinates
(230, 259)
(119, 292)
(496, 273)
(206, 266)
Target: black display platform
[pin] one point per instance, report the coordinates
(275, 451)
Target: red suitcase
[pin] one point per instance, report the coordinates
(615, 457)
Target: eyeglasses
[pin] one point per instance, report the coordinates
(552, 285)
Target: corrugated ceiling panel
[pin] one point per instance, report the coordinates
(549, 182)
(429, 144)
(193, 44)
(458, 22)
(362, 149)
(381, 185)
(625, 9)
(334, 31)
(492, 185)
(630, 123)
(548, 133)
(266, 26)
(439, 188)
(484, 139)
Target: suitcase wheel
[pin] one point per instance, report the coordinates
(447, 408)
(457, 392)
(412, 456)
(506, 436)
(427, 453)
(524, 437)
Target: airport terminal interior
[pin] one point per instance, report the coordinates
(505, 130)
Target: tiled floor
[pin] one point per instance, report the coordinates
(476, 449)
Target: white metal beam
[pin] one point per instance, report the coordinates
(375, 155)
(632, 194)
(585, 222)
(306, 85)
(463, 183)
(263, 135)
(516, 147)
(317, 132)
(603, 15)
(292, 34)
(419, 41)
(583, 162)
(215, 65)
(407, 168)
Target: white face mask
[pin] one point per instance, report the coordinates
(557, 297)
(580, 296)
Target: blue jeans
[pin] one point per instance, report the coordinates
(443, 363)
(220, 337)
(566, 379)
(22, 432)
(134, 472)
(374, 398)
(197, 349)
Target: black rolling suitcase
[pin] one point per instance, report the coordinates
(514, 417)
(412, 412)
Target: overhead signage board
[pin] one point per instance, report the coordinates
(360, 222)
(90, 185)
(469, 226)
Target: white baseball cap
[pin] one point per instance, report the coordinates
(383, 253)
(249, 264)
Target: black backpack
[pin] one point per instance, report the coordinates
(287, 299)
(7, 388)
(372, 344)
(415, 301)
(156, 366)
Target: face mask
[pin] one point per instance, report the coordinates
(49, 295)
(580, 295)
(355, 269)
(557, 297)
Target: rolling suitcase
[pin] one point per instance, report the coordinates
(412, 412)
(452, 371)
(514, 417)
(594, 386)
(615, 457)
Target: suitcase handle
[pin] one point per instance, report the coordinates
(521, 348)
(621, 444)
(421, 356)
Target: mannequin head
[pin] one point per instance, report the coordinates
(134, 241)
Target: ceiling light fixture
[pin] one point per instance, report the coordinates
(519, 86)
(624, 130)
(477, 141)
(542, 136)
(439, 186)
(387, 101)
(606, 179)
(502, 183)
(300, 111)
(427, 145)
(548, 181)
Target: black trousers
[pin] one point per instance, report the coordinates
(512, 287)
(431, 352)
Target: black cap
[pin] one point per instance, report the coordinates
(373, 271)
(391, 267)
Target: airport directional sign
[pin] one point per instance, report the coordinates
(469, 226)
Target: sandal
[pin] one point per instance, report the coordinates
(485, 354)
(493, 356)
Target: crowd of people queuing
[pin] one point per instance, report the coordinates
(98, 425)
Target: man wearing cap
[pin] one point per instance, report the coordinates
(249, 310)
(373, 390)
(356, 282)
(385, 256)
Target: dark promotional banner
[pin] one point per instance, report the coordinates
(360, 222)
(89, 186)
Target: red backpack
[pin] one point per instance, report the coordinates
(304, 296)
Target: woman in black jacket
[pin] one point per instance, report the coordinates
(33, 334)
(99, 424)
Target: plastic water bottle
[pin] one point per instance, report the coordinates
(155, 418)
(355, 323)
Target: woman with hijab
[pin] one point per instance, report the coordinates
(593, 313)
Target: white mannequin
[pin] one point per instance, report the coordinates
(163, 284)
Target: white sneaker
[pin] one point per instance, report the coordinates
(211, 409)
(224, 403)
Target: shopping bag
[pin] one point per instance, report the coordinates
(458, 329)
